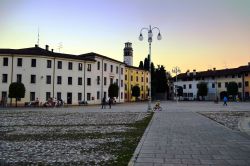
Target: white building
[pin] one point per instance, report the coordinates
(68, 77)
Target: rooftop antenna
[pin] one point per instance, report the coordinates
(38, 35)
(60, 45)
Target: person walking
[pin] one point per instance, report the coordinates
(103, 102)
(225, 101)
(110, 102)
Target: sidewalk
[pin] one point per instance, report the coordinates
(187, 138)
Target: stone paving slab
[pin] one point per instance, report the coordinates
(187, 138)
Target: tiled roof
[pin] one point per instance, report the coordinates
(215, 73)
(37, 51)
(136, 68)
(93, 55)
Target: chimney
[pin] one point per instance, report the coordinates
(194, 72)
(36, 45)
(188, 72)
(52, 50)
(47, 47)
(214, 68)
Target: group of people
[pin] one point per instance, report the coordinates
(53, 102)
(109, 102)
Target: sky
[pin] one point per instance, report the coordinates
(196, 34)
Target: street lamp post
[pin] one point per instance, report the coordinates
(150, 39)
(176, 70)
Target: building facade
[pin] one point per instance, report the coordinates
(217, 81)
(47, 74)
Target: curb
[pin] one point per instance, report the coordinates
(139, 146)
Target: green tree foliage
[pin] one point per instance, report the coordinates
(141, 65)
(136, 91)
(232, 89)
(146, 64)
(202, 89)
(16, 90)
(161, 77)
(113, 90)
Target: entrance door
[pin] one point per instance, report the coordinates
(69, 98)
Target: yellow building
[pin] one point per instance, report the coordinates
(136, 76)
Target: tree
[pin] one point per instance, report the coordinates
(202, 89)
(161, 77)
(146, 64)
(232, 89)
(16, 90)
(141, 65)
(136, 91)
(179, 91)
(113, 90)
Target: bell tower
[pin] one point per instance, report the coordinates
(128, 54)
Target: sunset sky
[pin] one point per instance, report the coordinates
(196, 34)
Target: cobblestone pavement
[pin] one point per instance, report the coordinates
(180, 136)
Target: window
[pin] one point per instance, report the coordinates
(117, 69)
(213, 85)
(126, 95)
(70, 65)
(5, 61)
(121, 95)
(116, 81)
(142, 79)
(105, 66)
(33, 62)
(98, 65)
(5, 78)
(121, 83)
(59, 65)
(32, 96)
(246, 83)
(246, 74)
(89, 67)
(48, 79)
(79, 96)
(121, 70)
(136, 78)
(47, 95)
(239, 85)
(80, 66)
(190, 86)
(105, 81)
(111, 80)
(79, 80)
(141, 88)
(19, 78)
(131, 78)
(98, 95)
(19, 62)
(239, 76)
(226, 84)
(69, 80)
(59, 95)
(147, 80)
(48, 63)
(111, 68)
(126, 77)
(219, 85)
(184, 86)
(33, 80)
(98, 80)
(125, 86)
(88, 96)
(233, 76)
(88, 81)
(59, 80)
